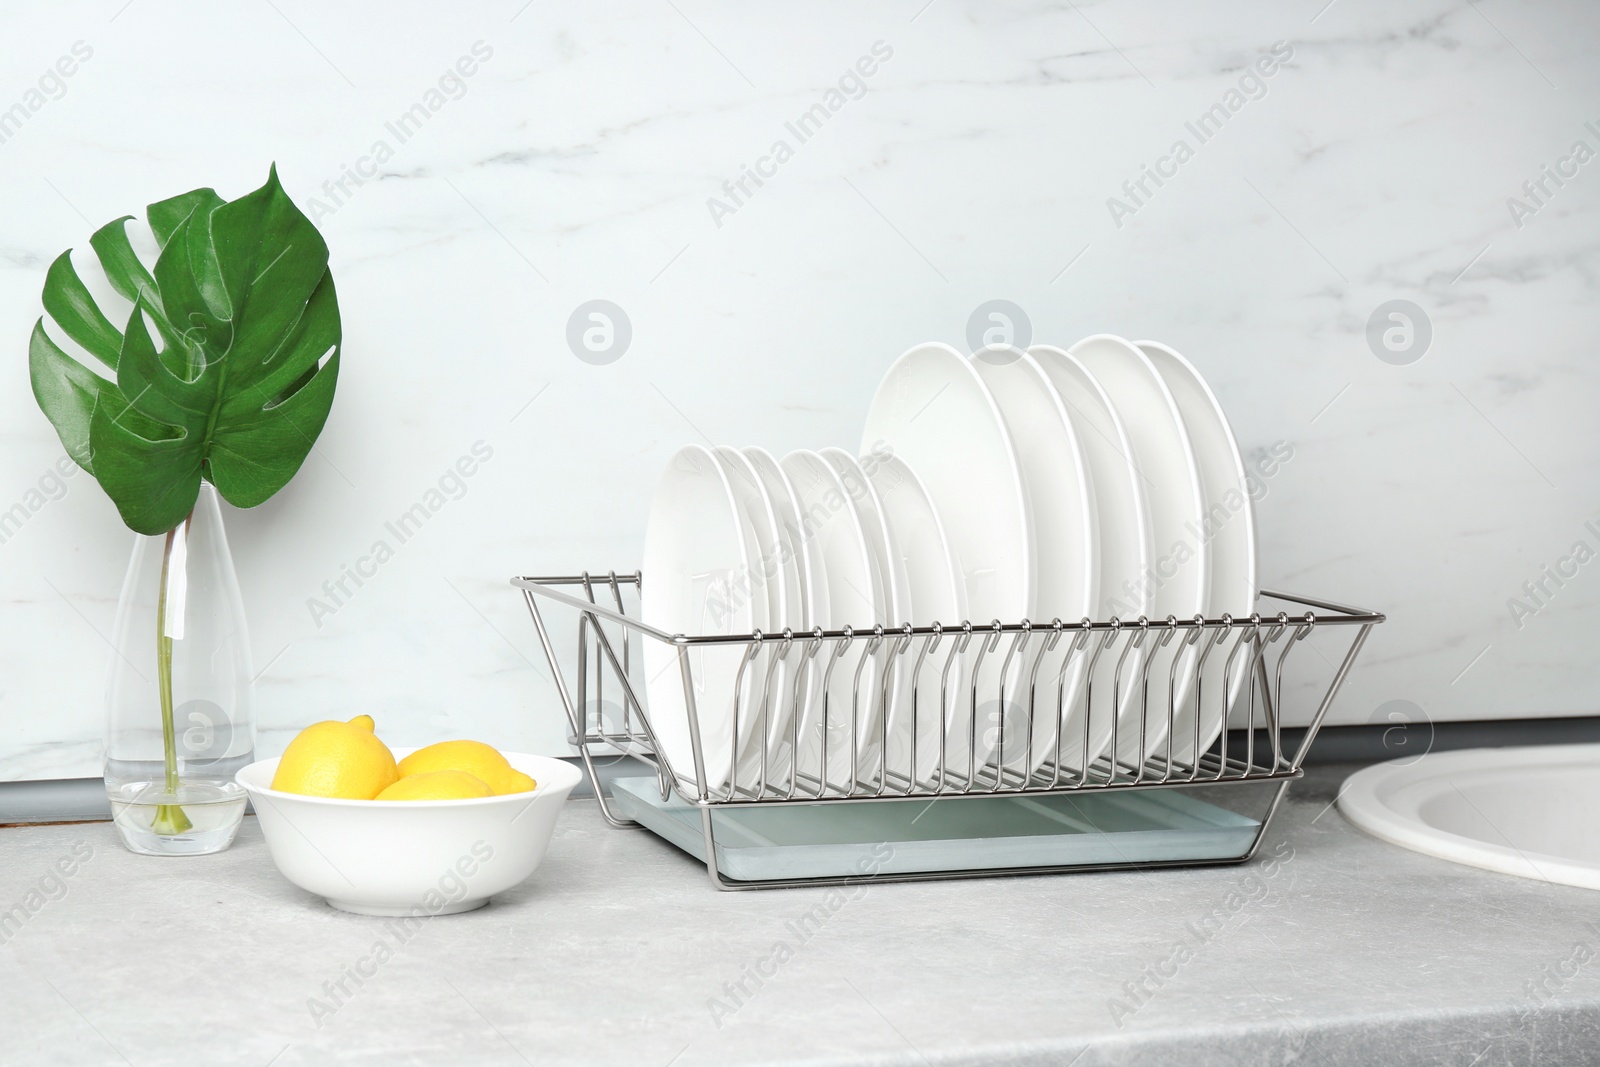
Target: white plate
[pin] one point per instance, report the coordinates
(1061, 504)
(769, 598)
(1179, 573)
(803, 575)
(1123, 538)
(695, 564)
(893, 593)
(1230, 526)
(828, 518)
(933, 576)
(799, 568)
(890, 594)
(933, 411)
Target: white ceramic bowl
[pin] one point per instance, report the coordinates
(410, 857)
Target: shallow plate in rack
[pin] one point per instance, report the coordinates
(933, 410)
(1230, 526)
(697, 570)
(1179, 574)
(825, 744)
(1061, 504)
(893, 593)
(933, 577)
(891, 589)
(807, 600)
(767, 675)
(891, 596)
(1123, 537)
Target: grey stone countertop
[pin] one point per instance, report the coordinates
(1329, 948)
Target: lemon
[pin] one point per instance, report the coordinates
(481, 761)
(436, 785)
(517, 782)
(336, 759)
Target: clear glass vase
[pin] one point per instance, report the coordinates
(180, 718)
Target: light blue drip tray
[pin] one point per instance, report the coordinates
(794, 840)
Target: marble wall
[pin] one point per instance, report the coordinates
(480, 170)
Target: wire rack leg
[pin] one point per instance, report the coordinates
(711, 850)
(600, 794)
(1266, 820)
(573, 716)
(1333, 691)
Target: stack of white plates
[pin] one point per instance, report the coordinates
(1094, 482)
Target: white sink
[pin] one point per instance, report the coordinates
(1523, 811)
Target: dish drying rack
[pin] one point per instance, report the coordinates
(791, 826)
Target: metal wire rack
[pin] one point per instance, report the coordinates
(1053, 712)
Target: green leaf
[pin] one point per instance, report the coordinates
(296, 361)
(257, 453)
(123, 269)
(271, 258)
(152, 388)
(164, 215)
(66, 391)
(117, 409)
(248, 321)
(153, 483)
(67, 300)
(203, 331)
(189, 274)
(129, 278)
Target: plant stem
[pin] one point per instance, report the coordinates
(170, 818)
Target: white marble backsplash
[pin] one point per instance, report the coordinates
(782, 199)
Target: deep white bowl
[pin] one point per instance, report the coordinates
(410, 857)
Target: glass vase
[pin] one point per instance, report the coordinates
(180, 719)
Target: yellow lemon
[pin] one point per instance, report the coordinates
(517, 782)
(436, 785)
(481, 761)
(336, 759)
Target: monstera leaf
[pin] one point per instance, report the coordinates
(226, 366)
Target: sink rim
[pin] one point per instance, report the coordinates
(1385, 800)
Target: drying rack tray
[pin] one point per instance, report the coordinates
(954, 835)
